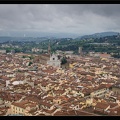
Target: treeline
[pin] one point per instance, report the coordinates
(109, 39)
(69, 44)
(116, 55)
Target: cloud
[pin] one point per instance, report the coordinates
(68, 18)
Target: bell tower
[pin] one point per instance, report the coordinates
(49, 49)
(80, 50)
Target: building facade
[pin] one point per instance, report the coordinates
(54, 61)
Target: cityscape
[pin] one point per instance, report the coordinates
(59, 72)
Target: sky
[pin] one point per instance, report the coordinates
(78, 19)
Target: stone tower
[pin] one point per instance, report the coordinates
(80, 50)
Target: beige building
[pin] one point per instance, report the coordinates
(23, 107)
(101, 91)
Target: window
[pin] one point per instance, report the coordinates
(53, 58)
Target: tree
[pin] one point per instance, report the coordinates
(31, 57)
(63, 60)
(23, 56)
(30, 63)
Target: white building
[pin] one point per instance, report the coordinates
(54, 61)
(14, 82)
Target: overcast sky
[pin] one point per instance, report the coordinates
(60, 18)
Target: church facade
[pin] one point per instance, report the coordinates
(54, 61)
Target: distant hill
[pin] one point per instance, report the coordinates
(54, 38)
(37, 34)
(98, 35)
(22, 39)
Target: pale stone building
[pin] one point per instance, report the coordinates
(54, 61)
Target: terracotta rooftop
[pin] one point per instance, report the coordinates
(102, 105)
